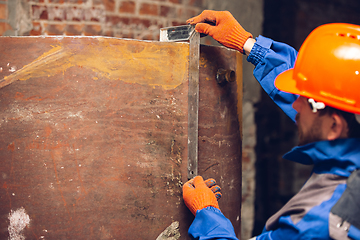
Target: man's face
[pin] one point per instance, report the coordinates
(310, 124)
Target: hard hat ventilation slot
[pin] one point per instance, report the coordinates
(349, 35)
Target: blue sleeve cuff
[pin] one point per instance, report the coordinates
(210, 223)
(260, 49)
(270, 59)
(354, 233)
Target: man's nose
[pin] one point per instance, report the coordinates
(297, 104)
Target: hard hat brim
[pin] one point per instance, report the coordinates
(286, 83)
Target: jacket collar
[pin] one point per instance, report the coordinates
(341, 156)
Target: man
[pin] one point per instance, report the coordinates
(318, 89)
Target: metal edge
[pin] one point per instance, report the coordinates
(193, 105)
(165, 33)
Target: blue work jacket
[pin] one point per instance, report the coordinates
(308, 214)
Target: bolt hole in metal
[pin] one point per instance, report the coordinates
(224, 76)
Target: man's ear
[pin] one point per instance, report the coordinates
(338, 127)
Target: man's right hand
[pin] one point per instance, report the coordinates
(223, 27)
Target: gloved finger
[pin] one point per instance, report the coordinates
(199, 182)
(218, 195)
(215, 189)
(205, 28)
(210, 182)
(205, 16)
(189, 184)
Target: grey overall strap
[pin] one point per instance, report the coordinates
(348, 206)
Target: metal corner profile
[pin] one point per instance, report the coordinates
(193, 103)
(188, 33)
(177, 34)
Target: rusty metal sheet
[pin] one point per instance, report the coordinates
(220, 121)
(93, 136)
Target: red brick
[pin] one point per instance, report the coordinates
(177, 23)
(166, 11)
(39, 12)
(114, 20)
(56, 13)
(92, 30)
(125, 35)
(147, 37)
(98, 2)
(127, 7)
(36, 30)
(56, 1)
(76, 1)
(3, 11)
(4, 27)
(74, 14)
(109, 33)
(138, 22)
(54, 29)
(176, 1)
(74, 29)
(148, 9)
(195, 3)
(94, 14)
(109, 5)
(188, 13)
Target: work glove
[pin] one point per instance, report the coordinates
(199, 194)
(211, 183)
(223, 27)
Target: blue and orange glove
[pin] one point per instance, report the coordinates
(199, 194)
(225, 29)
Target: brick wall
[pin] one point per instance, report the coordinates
(137, 19)
(4, 25)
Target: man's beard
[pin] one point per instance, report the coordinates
(312, 135)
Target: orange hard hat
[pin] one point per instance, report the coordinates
(327, 67)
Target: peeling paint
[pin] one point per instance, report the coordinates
(12, 69)
(172, 232)
(19, 219)
(113, 59)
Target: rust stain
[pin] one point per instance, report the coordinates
(78, 173)
(11, 147)
(20, 96)
(239, 81)
(141, 63)
(7, 194)
(54, 155)
(47, 131)
(45, 146)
